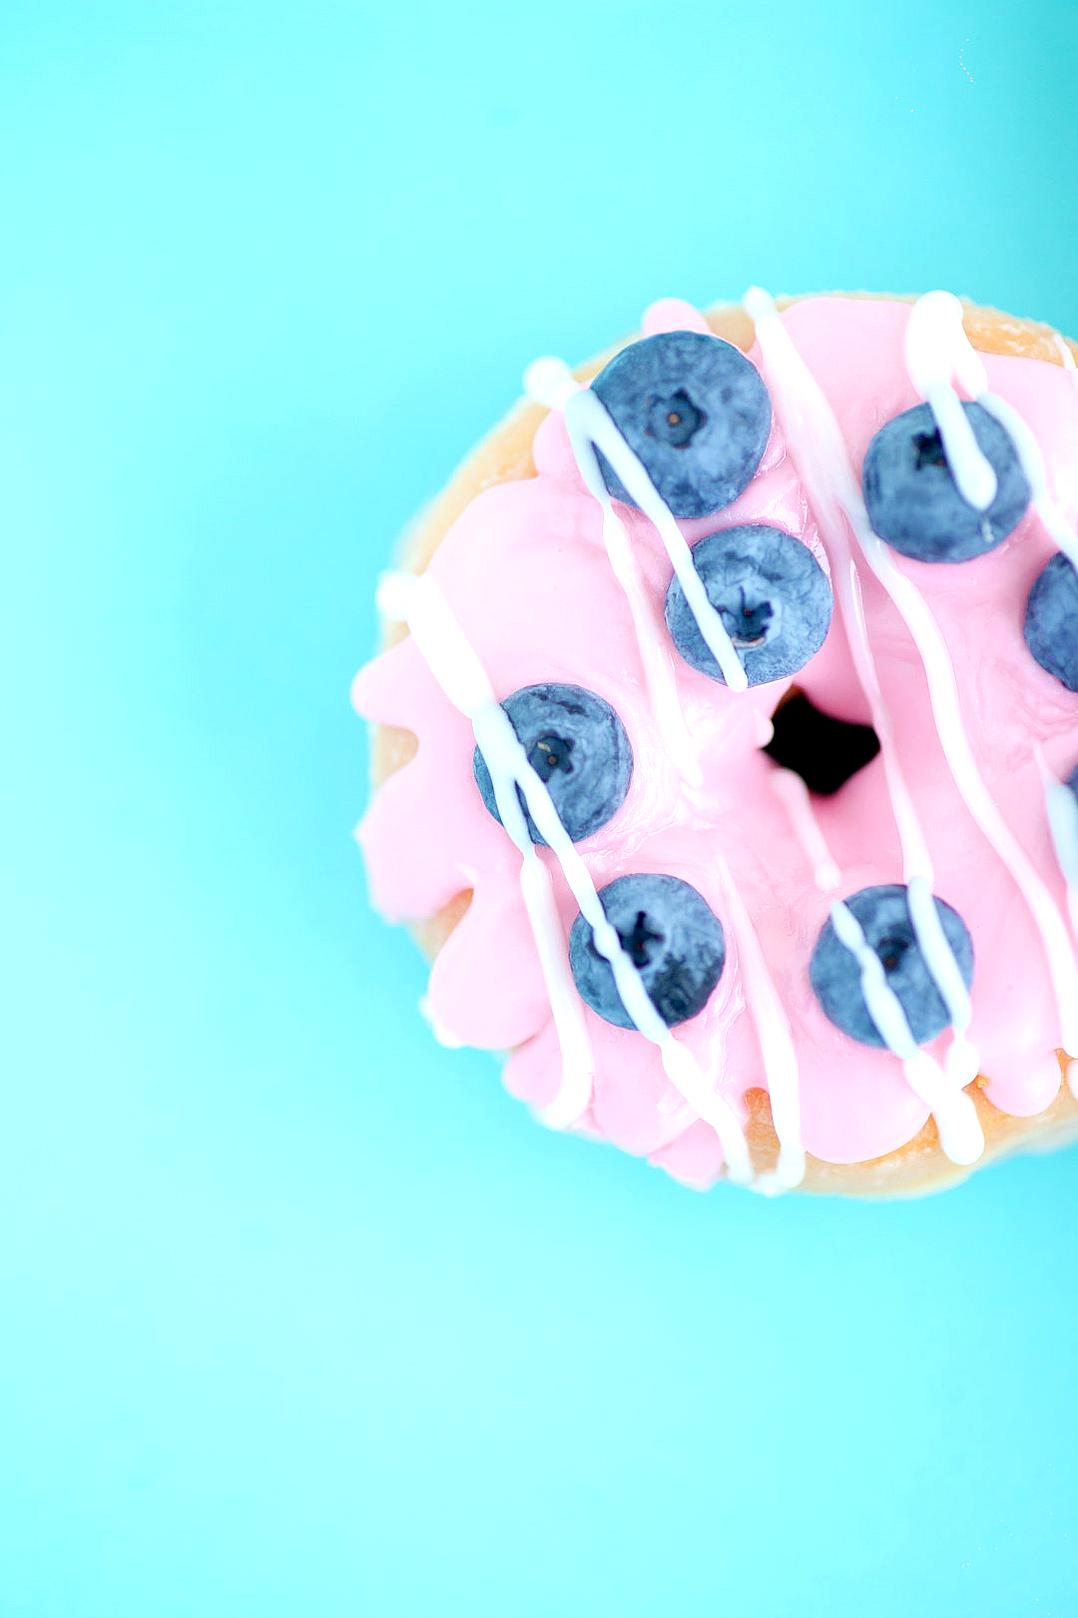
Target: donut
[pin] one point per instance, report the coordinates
(725, 743)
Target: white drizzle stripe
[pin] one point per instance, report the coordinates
(947, 712)
(419, 602)
(932, 360)
(776, 1042)
(960, 1132)
(683, 1071)
(587, 411)
(957, 353)
(589, 424)
(925, 1078)
(963, 1061)
(1066, 354)
(825, 470)
(578, 1063)
(550, 382)
(937, 348)
(1032, 461)
(587, 417)
(916, 860)
(807, 417)
(1062, 806)
(794, 794)
(935, 658)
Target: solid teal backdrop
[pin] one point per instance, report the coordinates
(302, 1315)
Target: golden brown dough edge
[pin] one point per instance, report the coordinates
(505, 455)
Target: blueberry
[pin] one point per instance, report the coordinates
(1072, 781)
(1052, 620)
(771, 594)
(675, 942)
(694, 411)
(885, 920)
(913, 501)
(577, 744)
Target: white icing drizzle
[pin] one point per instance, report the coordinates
(1029, 454)
(962, 1140)
(960, 1132)
(1067, 830)
(1066, 355)
(452, 660)
(963, 1059)
(551, 383)
(794, 795)
(957, 353)
(813, 410)
(1062, 807)
(590, 423)
(776, 1042)
(937, 348)
(936, 351)
(825, 470)
(1063, 818)
(933, 357)
(418, 602)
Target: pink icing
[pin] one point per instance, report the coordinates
(525, 572)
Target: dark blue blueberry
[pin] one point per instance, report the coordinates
(771, 594)
(912, 498)
(1072, 781)
(885, 919)
(1052, 620)
(577, 744)
(694, 411)
(675, 941)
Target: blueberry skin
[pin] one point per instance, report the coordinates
(1072, 781)
(770, 592)
(577, 745)
(1051, 628)
(674, 938)
(884, 916)
(694, 411)
(913, 501)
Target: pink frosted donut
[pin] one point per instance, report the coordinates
(789, 895)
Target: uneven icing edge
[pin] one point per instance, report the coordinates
(419, 602)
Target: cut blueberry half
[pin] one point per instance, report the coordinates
(913, 501)
(884, 916)
(772, 595)
(577, 745)
(1051, 628)
(696, 413)
(673, 938)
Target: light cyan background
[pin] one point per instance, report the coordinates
(300, 1315)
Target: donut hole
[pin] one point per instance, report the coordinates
(824, 751)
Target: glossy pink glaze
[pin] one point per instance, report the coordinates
(526, 573)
